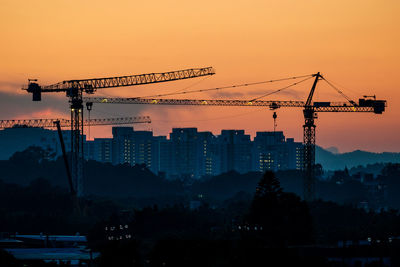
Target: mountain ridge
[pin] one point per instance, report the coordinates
(333, 161)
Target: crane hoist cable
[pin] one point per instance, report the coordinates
(225, 87)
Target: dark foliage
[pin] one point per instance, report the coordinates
(226, 185)
(48, 209)
(226, 253)
(31, 155)
(391, 177)
(99, 179)
(335, 222)
(284, 218)
(121, 254)
(7, 259)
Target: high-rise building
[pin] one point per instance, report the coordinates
(134, 147)
(269, 152)
(157, 155)
(142, 146)
(165, 157)
(272, 152)
(234, 151)
(184, 152)
(100, 149)
(122, 145)
(295, 155)
(207, 158)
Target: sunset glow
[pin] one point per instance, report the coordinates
(353, 43)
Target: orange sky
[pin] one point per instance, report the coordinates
(354, 43)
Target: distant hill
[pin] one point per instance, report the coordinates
(333, 161)
(333, 149)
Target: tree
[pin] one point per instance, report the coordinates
(32, 154)
(283, 217)
(268, 187)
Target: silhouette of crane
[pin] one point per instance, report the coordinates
(310, 110)
(75, 89)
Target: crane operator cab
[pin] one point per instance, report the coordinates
(35, 89)
(370, 101)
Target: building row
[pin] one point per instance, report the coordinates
(190, 153)
(185, 153)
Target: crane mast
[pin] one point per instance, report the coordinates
(309, 144)
(74, 90)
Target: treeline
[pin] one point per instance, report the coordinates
(43, 208)
(100, 179)
(137, 186)
(50, 209)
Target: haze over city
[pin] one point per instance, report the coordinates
(351, 43)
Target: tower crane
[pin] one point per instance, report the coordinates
(310, 110)
(75, 89)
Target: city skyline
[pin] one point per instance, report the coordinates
(184, 152)
(148, 128)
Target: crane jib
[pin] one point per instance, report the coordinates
(375, 106)
(74, 87)
(50, 123)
